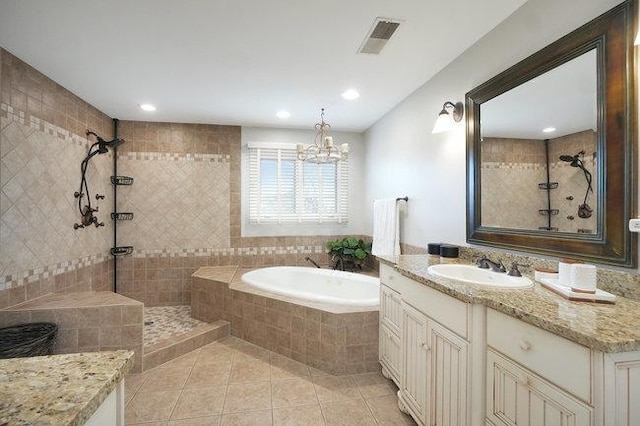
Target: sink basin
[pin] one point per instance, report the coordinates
(474, 275)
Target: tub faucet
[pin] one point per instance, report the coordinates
(308, 259)
(485, 263)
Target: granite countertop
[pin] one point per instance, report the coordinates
(58, 389)
(603, 327)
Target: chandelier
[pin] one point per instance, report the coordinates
(323, 150)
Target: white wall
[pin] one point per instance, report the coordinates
(357, 210)
(403, 157)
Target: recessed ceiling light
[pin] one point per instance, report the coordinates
(147, 107)
(350, 94)
(283, 114)
(549, 129)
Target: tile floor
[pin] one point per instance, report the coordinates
(233, 382)
(168, 321)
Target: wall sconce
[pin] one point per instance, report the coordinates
(445, 120)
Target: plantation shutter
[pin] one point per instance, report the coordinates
(283, 189)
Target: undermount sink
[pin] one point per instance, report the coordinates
(473, 275)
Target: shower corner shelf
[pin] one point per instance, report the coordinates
(548, 212)
(121, 251)
(121, 180)
(548, 185)
(122, 216)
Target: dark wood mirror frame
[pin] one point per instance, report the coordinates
(612, 34)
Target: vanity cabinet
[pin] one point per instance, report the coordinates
(459, 363)
(432, 330)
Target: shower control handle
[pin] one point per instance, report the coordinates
(99, 197)
(77, 225)
(78, 194)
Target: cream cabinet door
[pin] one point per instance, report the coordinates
(447, 377)
(516, 396)
(414, 361)
(435, 363)
(622, 389)
(390, 354)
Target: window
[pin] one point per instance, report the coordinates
(283, 189)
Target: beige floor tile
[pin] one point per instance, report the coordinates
(335, 388)
(208, 375)
(215, 353)
(316, 372)
(249, 352)
(385, 410)
(305, 415)
(200, 421)
(148, 424)
(350, 412)
(165, 379)
(248, 418)
(248, 397)
(374, 384)
(252, 371)
(132, 383)
(151, 406)
(285, 393)
(186, 360)
(199, 403)
(286, 368)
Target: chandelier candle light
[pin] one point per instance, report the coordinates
(322, 150)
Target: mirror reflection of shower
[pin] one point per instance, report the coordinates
(87, 211)
(584, 210)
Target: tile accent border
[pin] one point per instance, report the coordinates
(160, 156)
(37, 124)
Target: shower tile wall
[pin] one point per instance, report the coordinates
(42, 143)
(511, 172)
(512, 169)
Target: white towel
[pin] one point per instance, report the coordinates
(386, 228)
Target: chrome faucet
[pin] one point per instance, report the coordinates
(308, 259)
(485, 263)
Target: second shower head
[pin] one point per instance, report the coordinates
(103, 146)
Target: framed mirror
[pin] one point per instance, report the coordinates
(551, 148)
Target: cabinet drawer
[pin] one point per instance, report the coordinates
(450, 312)
(565, 363)
(388, 277)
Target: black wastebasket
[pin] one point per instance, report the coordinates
(27, 340)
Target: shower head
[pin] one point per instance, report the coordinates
(112, 144)
(568, 158)
(103, 146)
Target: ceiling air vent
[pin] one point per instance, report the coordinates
(379, 35)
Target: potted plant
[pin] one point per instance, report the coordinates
(348, 253)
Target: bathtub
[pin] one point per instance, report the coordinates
(317, 285)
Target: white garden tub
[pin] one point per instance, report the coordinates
(318, 285)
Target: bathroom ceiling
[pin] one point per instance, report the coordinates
(240, 62)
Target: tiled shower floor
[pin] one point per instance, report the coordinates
(168, 321)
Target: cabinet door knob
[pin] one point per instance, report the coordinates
(524, 345)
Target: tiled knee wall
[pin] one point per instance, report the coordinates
(344, 343)
(91, 274)
(163, 277)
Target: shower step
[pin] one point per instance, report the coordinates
(181, 344)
